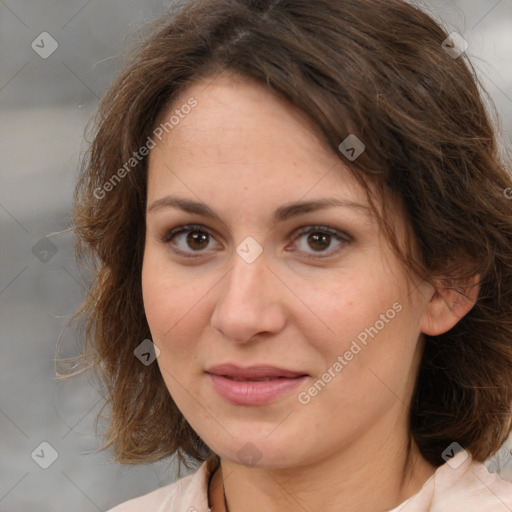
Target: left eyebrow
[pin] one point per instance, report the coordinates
(282, 214)
(294, 209)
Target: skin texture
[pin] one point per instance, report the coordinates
(245, 152)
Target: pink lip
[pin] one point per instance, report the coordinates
(238, 385)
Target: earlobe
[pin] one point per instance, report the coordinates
(447, 305)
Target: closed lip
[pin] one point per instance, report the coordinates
(254, 385)
(256, 372)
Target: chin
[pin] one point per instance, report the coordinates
(273, 452)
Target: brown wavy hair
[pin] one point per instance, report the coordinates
(366, 67)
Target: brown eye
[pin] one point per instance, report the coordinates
(186, 240)
(197, 240)
(319, 241)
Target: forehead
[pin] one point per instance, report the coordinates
(241, 136)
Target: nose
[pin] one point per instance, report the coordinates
(249, 301)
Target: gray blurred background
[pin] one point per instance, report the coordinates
(46, 100)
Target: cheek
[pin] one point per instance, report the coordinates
(174, 302)
(370, 344)
(156, 300)
(168, 304)
(340, 310)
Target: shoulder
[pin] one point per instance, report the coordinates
(462, 485)
(468, 485)
(189, 494)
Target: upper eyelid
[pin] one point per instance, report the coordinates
(183, 228)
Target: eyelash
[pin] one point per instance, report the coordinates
(190, 228)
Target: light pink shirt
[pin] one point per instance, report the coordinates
(460, 485)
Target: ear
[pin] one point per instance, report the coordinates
(448, 304)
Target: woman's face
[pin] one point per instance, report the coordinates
(286, 333)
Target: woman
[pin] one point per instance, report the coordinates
(303, 277)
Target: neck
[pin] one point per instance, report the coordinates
(366, 478)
